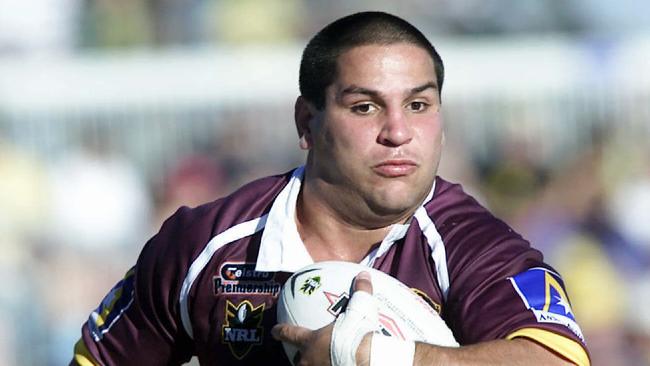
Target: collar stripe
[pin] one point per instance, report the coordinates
(438, 253)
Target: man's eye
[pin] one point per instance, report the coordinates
(365, 108)
(418, 106)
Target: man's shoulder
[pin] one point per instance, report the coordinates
(262, 188)
(450, 199)
(186, 232)
(458, 216)
(250, 201)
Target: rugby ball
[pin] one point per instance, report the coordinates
(315, 295)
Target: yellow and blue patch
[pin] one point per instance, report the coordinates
(113, 305)
(542, 291)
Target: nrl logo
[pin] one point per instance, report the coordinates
(242, 327)
(310, 285)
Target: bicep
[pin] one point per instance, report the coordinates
(497, 352)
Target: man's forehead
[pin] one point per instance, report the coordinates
(362, 58)
(359, 71)
(395, 47)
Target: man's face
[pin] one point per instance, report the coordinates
(380, 134)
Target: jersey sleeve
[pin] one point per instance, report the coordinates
(501, 289)
(138, 322)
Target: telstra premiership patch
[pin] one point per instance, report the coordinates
(542, 291)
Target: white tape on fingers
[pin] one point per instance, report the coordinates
(390, 351)
(360, 318)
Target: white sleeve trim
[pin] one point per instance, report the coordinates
(234, 233)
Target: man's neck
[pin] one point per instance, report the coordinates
(329, 234)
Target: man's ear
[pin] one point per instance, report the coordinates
(304, 113)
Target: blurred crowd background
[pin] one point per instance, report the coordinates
(115, 113)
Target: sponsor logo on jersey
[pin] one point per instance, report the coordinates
(242, 278)
(112, 306)
(542, 292)
(244, 272)
(310, 285)
(242, 327)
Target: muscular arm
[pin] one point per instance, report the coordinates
(519, 351)
(314, 348)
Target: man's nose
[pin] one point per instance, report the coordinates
(395, 130)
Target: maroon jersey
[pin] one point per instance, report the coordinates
(208, 282)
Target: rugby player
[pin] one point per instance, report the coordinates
(369, 115)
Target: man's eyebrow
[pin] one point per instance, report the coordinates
(424, 87)
(354, 89)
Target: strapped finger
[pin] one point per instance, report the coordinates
(360, 317)
(362, 282)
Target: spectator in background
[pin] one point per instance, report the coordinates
(638, 319)
(626, 173)
(629, 194)
(193, 180)
(578, 219)
(177, 22)
(23, 202)
(115, 23)
(266, 21)
(99, 199)
(38, 27)
(100, 207)
(512, 178)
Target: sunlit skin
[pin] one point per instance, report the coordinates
(376, 145)
(373, 149)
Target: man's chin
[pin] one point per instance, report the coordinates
(397, 208)
(397, 201)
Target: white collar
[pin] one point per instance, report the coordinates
(282, 249)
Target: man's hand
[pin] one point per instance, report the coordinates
(314, 346)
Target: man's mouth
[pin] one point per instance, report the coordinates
(395, 168)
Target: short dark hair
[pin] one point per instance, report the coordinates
(318, 64)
